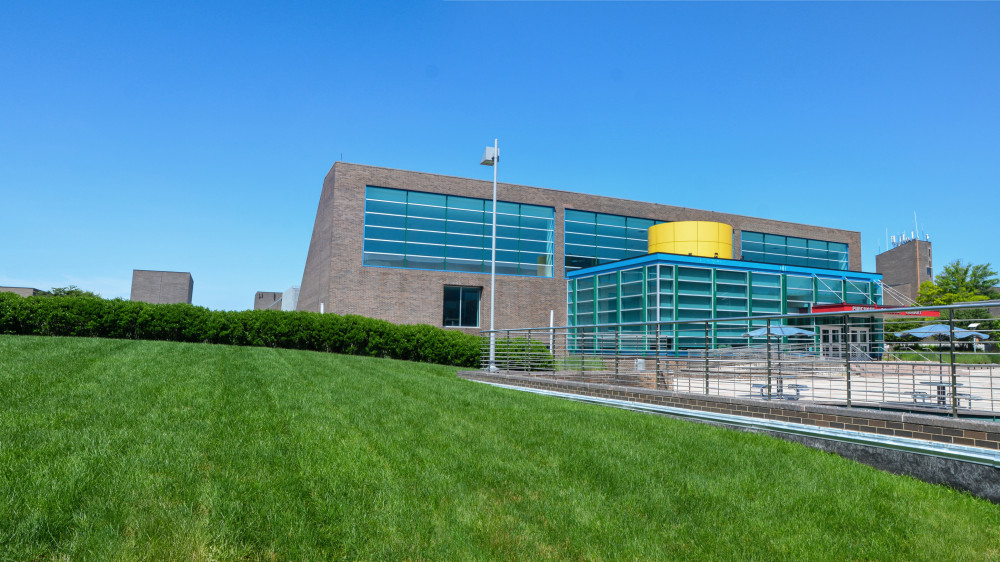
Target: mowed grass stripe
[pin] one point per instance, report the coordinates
(126, 450)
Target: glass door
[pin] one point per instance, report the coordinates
(860, 346)
(831, 342)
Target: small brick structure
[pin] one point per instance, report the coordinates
(969, 432)
(161, 287)
(22, 291)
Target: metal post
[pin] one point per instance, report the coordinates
(507, 353)
(708, 344)
(493, 259)
(951, 345)
(845, 337)
(616, 354)
(656, 348)
(767, 347)
(529, 351)
(552, 334)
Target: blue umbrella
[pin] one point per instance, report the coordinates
(778, 331)
(941, 330)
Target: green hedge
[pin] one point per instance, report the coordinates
(355, 335)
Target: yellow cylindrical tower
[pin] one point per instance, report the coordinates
(692, 238)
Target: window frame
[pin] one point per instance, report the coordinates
(462, 289)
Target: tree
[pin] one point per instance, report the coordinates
(71, 291)
(978, 279)
(959, 282)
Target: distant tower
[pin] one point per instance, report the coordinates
(904, 268)
(161, 287)
(265, 300)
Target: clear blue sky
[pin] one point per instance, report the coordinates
(195, 136)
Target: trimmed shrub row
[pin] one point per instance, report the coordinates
(354, 335)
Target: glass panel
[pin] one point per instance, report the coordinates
(468, 253)
(425, 211)
(468, 228)
(385, 207)
(383, 260)
(790, 250)
(829, 291)
(631, 276)
(413, 248)
(477, 217)
(452, 306)
(799, 292)
(473, 266)
(424, 262)
(380, 233)
(467, 203)
(385, 220)
(385, 194)
(470, 307)
(694, 274)
(383, 247)
(425, 237)
(603, 238)
(429, 237)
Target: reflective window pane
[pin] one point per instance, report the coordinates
(597, 238)
(446, 232)
(791, 250)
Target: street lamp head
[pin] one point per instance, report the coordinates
(490, 156)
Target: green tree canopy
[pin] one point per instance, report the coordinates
(978, 279)
(959, 282)
(70, 291)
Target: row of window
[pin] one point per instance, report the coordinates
(790, 250)
(420, 230)
(413, 229)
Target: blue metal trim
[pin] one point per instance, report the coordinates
(738, 265)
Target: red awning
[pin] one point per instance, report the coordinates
(874, 308)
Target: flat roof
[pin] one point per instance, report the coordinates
(717, 263)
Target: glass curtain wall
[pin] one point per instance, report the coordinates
(413, 229)
(789, 250)
(668, 292)
(596, 238)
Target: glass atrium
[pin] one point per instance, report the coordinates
(669, 287)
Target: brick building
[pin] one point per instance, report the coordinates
(161, 287)
(265, 300)
(904, 268)
(411, 247)
(23, 291)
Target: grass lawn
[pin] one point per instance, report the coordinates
(147, 450)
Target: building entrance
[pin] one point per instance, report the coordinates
(831, 342)
(860, 344)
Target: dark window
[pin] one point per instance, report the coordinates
(461, 306)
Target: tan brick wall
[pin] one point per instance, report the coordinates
(264, 300)
(334, 273)
(161, 287)
(23, 291)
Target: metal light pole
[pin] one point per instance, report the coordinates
(490, 158)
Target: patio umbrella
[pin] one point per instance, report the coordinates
(778, 330)
(941, 330)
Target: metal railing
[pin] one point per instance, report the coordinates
(854, 359)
